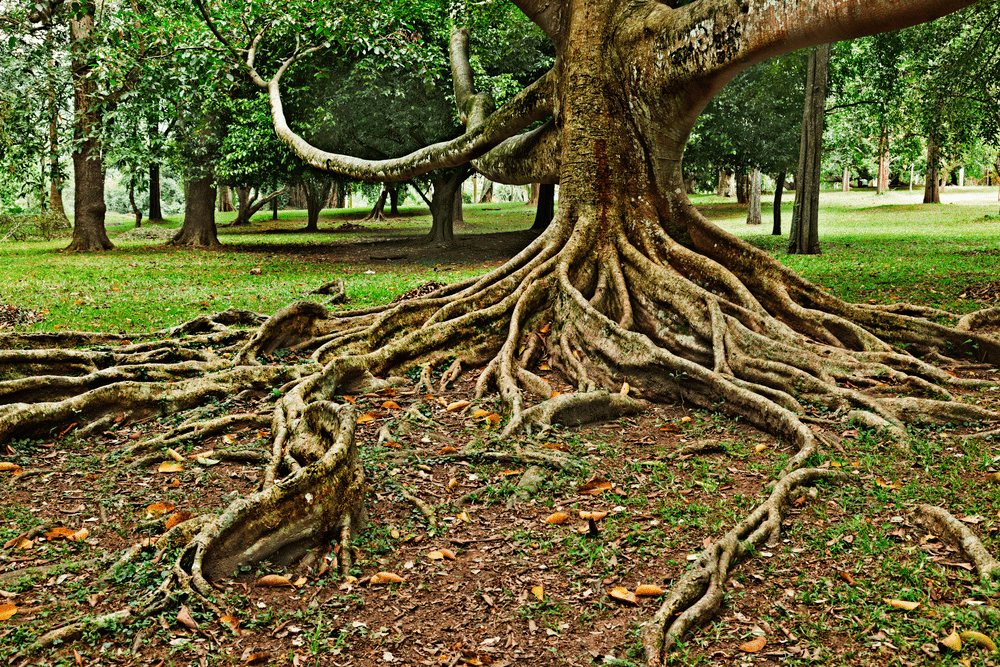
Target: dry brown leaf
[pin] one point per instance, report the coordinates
(160, 508)
(623, 595)
(365, 418)
(846, 576)
(386, 578)
(979, 639)
(436, 555)
(493, 419)
(457, 405)
(60, 533)
(759, 448)
(625, 389)
(470, 658)
(170, 466)
(479, 414)
(77, 658)
(452, 484)
(508, 473)
(299, 582)
(464, 516)
(538, 592)
(596, 515)
(232, 623)
(391, 405)
(178, 518)
(754, 645)
(594, 486)
(350, 399)
(258, 658)
(274, 580)
(685, 420)
(447, 449)
(555, 445)
(80, 535)
(545, 329)
(448, 553)
(901, 604)
(670, 428)
(175, 455)
(7, 609)
(544, 367)
(952, 642)
(989, 477)
(7, 466)
(557, 518)
(185, 618)
(648, 590)
(886, 485)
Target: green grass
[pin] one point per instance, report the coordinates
(880, 249)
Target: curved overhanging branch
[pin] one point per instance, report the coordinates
(530, 157)
(532, 104)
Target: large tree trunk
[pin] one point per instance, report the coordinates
(88, 199)
(533, 199)
(447, 187)
(845, 180)
(378, 210)
(198, 230)
(55, 173)
(155, 193)
(743, 188)
(225, 199)
(804, 236)
(316, 189)
(394, 190)
(779, 186)
(753, 197)
(932, 189)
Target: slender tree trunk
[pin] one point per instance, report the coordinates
(226, 200)
(131, 200)
(317, 189)
(341, 195)
(457, 212)
(378, 210)
(804, 237)
(88, 166)
(198, 230)
(533, 199)
(155, 194)
(882, 177)
(546, 207)
(243, 202)
(779, 185)
(274, 208)
(394, 190)
(55, 173)
(932, 191)
(845, 180)
(753, 197)
(723, 186)
(743, 189)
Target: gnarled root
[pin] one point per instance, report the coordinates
(697, 595)
(941, 522)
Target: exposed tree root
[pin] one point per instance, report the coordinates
(191, 430)
(696, 596)
(941, 522)
(430, 516)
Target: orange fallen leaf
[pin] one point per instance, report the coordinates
(60, 533)
(365, 418)
(557, 518)
(273, 580)
(538, 592)
(670, 428)
(77, 658)
(908, 605)
(170, 466)
(754, 645)
(555, 445)
(178, 518)
(545, 329)
(508, 473)
(759, 448)
(447, 449)
(232, 623)
(160, 508)
(464, 516)
(386, 578)
(594, 486)
(625, 389)
(391, 405)
(846, 576)
(452, 484)
(80, 535)
(648, 590)
(457, 405)
(7, 466)
(174, 483)
(685, 420)
(479, 414)
(544, 367)
(596, 515)
(886, 485)
(175, 455)
(623, 595)
(441, 554)
(350, 399)
(492, 419)
(7, 609)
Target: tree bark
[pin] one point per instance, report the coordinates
(447, 185)
(882, 175)
(845, 180)
(317, 189)
(804, 236)
(779, 186)
(378, 210)
(743, 188)
(225, 199)
(457, 214)
(88, 199)
(56, 205)
(487, 196)
(932, 190)
(546, 207)
(394, 191)
(155, 193)
(533, 199)
(198, 229)
(753, 197)
(136, 211)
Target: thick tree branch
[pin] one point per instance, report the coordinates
(531, 157)
(546, 14)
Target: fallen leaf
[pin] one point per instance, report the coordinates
(479, 414)
(754, 645)
(544, 367)
(60, 533)
(594, 486)
(759, 448)
(625, 389)
(170, 466)
(386, 578)
(7, 466)
(274, 580)
(436, 555)
(952, 642)
(175, 455)
(7, 609)
(448, 553)
(447, 449)
(452, 484)
(623, 595)
(545, 329)
(978, 638)
(259, 658)
(493, 419)
(80, 535)
(901, 604)
(299, 582)
(595, 515)
(77, 658)
(557, 518)
(184, 618)
(457, 405)
(538, 592)
(846, 576)
(555, 445)
(350, 399)
(464, 516)
(160, 508)
(232, 623)
(391, 405)
(205, 461)
(365, 418)
(648, 590)
(670, 428)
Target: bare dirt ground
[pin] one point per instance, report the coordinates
(496, 584)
